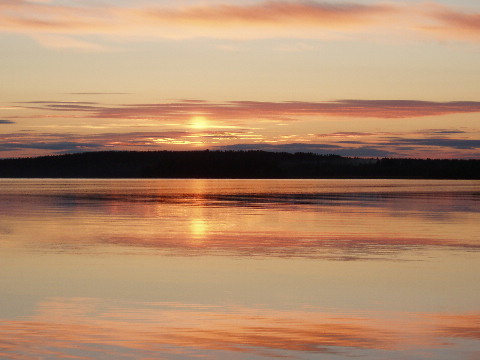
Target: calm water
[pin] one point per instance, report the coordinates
(235, 269)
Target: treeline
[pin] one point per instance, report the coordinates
(231, 164)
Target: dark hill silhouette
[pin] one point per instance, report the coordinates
(231, 164)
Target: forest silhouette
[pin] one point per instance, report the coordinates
(232, 164)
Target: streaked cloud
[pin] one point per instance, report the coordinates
(374, 145)
(56, 41)
(60, 25)
(433, 143)
(451, 24)
(98, 93)
(274, 18)
(62, 146)
(441, 142)
(72, 142)
(241, 125)
(325, 149)
(6, 122)
(235, 110)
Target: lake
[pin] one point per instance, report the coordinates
(239, 269)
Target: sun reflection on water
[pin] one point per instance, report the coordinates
(198, 229)
(238, 269)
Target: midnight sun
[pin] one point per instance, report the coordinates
(199, 123)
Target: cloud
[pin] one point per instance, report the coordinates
(69, 142)
(228, 126)
(346, 134)
(447, 132)
(247, 110)
(200, 124)
(432, 143)
(451, 24)
(56, 41)
(63, 146)
(64, 25)
(6, 122)
(98, 93)
(322, 149)
(142, 18)
(401, 108)
(441, 142)
(299, 19)
(273, 12)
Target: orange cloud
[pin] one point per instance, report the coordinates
(451, 24)
(275, 18)
(22, 16)
(248, 110)
(241, 125)
(286, 18)
(265, 19)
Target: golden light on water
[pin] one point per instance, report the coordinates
(198, 228)
(239, 269)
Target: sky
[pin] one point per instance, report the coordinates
(361, 78)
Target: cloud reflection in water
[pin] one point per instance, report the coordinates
(78, 289)
(81, 326)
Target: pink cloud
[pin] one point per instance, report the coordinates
(265, 19)
(238, 125)
(317, 14)
(143, 19)
(451, 24)
(248, 110)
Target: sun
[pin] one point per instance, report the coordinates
(199, 123)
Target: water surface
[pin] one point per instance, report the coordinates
(239, 269)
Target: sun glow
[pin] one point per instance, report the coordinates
(199, 123)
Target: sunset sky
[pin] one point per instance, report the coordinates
(361, 78)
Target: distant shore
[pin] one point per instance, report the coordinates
(232, 164)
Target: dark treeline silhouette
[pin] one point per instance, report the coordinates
(231, 164)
